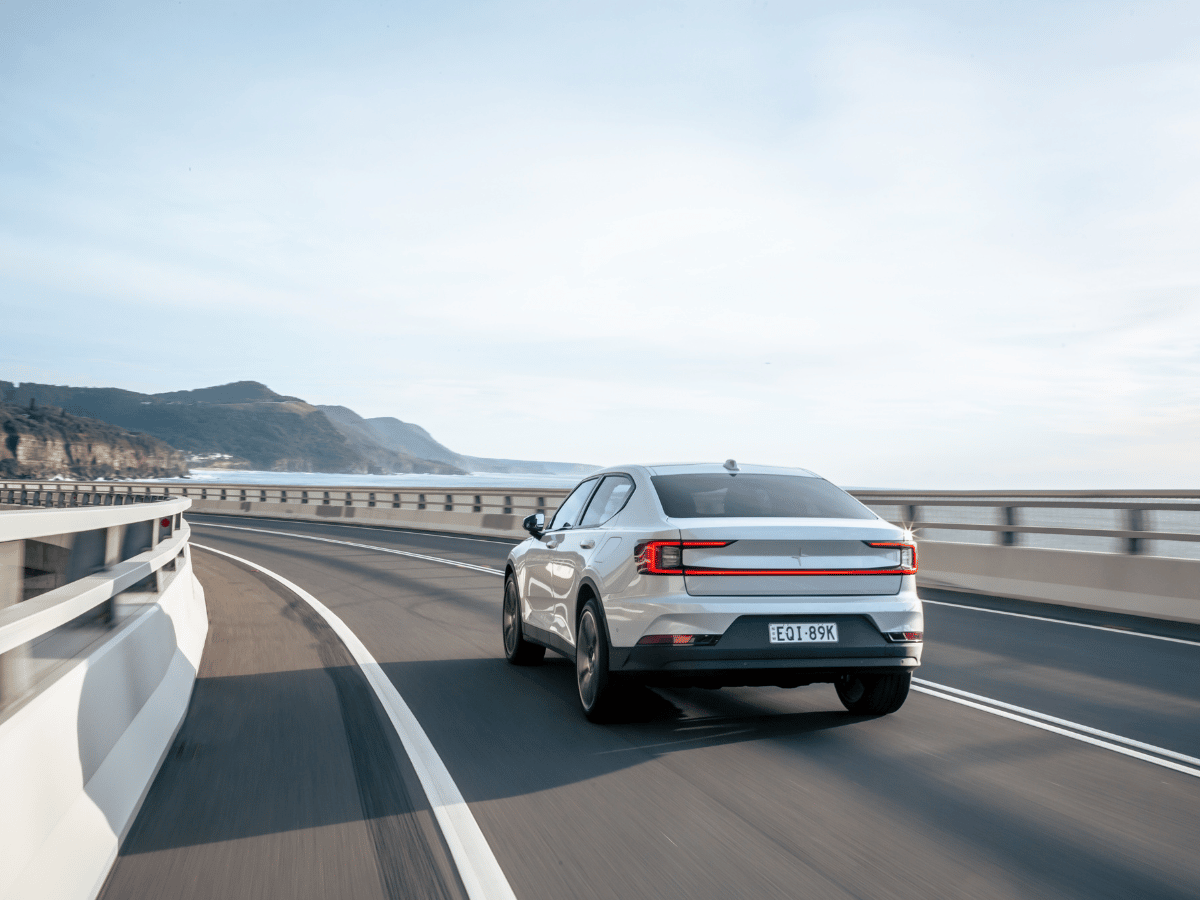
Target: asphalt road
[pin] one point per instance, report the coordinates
(286, 781)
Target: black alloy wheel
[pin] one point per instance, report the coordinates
(873, 695)
(517, 650)
(597, 688)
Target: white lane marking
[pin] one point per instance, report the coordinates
(1080, 735)
(310, 537)
(441, 534)
(1108, 735)
(477, 866)
(1002, 612)
(1074, 735)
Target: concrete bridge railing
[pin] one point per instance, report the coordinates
(102, 625)
(1135, 552)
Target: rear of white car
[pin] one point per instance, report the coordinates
(724, 575)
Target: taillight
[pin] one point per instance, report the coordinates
(666, 557)
(908, 555)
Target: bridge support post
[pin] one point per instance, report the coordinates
(1009, 538)
(114, 536)
(15, 676)
(1135, 523)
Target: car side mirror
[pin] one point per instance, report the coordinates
(535, 524)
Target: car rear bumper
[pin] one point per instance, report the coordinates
(744, 654)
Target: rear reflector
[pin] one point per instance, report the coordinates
(699, 640)
(905, 637)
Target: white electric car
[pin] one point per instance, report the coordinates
(712, 575)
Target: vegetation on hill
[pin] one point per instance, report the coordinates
(245, 420)
(247, 425)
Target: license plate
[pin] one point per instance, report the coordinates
(803, 633)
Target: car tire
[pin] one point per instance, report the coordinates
(596, 686)
(517, 650)
(873, 695)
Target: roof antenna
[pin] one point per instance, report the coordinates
(731, 465)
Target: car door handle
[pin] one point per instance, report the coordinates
(586, 545)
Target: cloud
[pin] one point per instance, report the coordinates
(900, 247)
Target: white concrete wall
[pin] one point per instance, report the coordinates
(1158, 587)
(77, 759)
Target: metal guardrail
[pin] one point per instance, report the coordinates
(502, 501)
(1128, 521)
(68, 554)
(1014, 517)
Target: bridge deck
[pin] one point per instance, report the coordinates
(739, 792)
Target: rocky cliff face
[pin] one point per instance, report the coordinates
(44, 442)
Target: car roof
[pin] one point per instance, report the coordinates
(707, 468)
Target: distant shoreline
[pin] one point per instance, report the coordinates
(407, 480)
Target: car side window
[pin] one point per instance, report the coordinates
(608, 500)
(568, 514)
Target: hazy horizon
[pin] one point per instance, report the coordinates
(929, 246)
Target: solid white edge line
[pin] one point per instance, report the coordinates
(313, 537)
(1151, 748)
(1017, 615)
(477, 866)
(1045, 726)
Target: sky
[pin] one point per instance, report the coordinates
(905, 245)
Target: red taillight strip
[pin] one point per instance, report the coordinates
(648, 555)
(694, 571)
(649, 561)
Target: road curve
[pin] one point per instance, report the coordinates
(759, 792)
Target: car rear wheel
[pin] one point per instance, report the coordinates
(873, 695)
(597, 688)
(517, 650)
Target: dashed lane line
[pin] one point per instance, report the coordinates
(311, 537)
(477, 866)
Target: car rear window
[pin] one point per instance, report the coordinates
(746, 495)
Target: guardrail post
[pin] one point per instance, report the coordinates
(114, 537)
(1009, 538)
(14, 665)
(1135, 523)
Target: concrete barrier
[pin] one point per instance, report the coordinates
(79, 751)
(1158, 587)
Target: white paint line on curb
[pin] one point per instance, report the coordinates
(1046, 726)
(362, 527)
(408, 553)
(1016, 615)
(477, 866)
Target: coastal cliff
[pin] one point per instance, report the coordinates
(42, 442)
